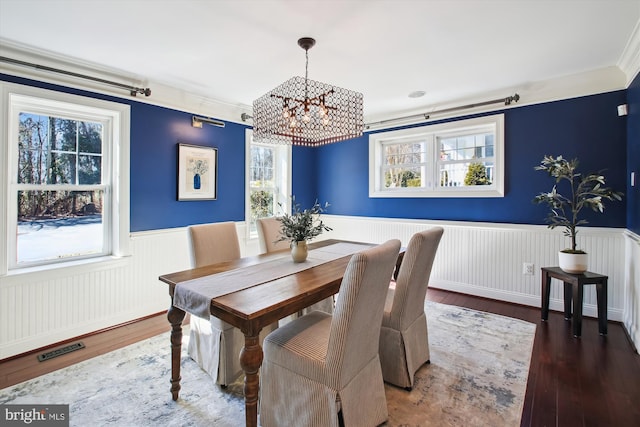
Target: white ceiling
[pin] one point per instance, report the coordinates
(236, 50)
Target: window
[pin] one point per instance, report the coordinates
(456, 159)
(268, 181)
(67, 186)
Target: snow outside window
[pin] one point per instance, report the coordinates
(67, 183)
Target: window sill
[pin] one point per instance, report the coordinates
(417, 193)
(66, 269)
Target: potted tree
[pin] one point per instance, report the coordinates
(582, 191)
(302, 226)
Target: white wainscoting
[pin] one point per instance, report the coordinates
(486, 259)
(42, 308)
(631, 308)
(45, 307)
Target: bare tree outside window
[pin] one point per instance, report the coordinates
(54, 151)
(402, 164)
(60, 173)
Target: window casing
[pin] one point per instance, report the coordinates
(464, 158)
(66, 186)
(268, 181)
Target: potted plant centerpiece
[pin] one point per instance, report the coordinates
(583, 191)
(302, 226)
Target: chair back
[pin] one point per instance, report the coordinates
(413, 278)
(213, 243)
(357, 317)
(268, 233)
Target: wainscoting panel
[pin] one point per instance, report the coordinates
(487, 259)
(632, 288)
(42, 308)
(45, 307)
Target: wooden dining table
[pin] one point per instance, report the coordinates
(253, 297)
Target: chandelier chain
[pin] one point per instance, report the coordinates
(306, 75)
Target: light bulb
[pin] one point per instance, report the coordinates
(306, 117)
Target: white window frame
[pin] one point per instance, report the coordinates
(430, 176)
(283, 178)
(116, 118)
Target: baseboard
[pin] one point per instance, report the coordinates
(55, 345)
(588, 310)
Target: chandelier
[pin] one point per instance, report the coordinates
(306, 112)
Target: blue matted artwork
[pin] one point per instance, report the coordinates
(197, 172)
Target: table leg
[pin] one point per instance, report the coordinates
(175, 317)
(601, 292)
(546, 291)
(577, 309)
(251, 360)
(568, 291)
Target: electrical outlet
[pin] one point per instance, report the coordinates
(527, 268)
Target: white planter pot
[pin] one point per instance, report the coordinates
(572, 263)
(299, 251)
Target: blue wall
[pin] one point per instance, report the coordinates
(304, 176)
(633, 155)
(155, 133)
(587, 128)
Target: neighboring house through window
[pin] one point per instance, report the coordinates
(67, 159)
(463, 158)
(268, 181)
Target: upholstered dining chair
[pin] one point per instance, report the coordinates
(268, 234)
(404, 342)
(320, 365)
(213, 344)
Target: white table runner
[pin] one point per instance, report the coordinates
(195, 295)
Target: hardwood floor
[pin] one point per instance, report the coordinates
(587, 381)
(26, 366)
(590, 381)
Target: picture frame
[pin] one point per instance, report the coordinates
(197, 172)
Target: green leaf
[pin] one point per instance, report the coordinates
(582, 190)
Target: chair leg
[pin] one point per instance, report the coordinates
(428, 362)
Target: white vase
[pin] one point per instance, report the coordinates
(572, 263)
(299, 251)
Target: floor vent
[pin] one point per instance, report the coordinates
(60, 351)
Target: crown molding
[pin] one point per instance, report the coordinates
(629, 61)
(587, 83)
(591, 82)
(161, 94)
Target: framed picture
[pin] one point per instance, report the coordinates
(197, 172)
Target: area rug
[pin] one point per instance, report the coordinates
(477, 377)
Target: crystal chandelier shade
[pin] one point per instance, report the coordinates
(307, 112)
